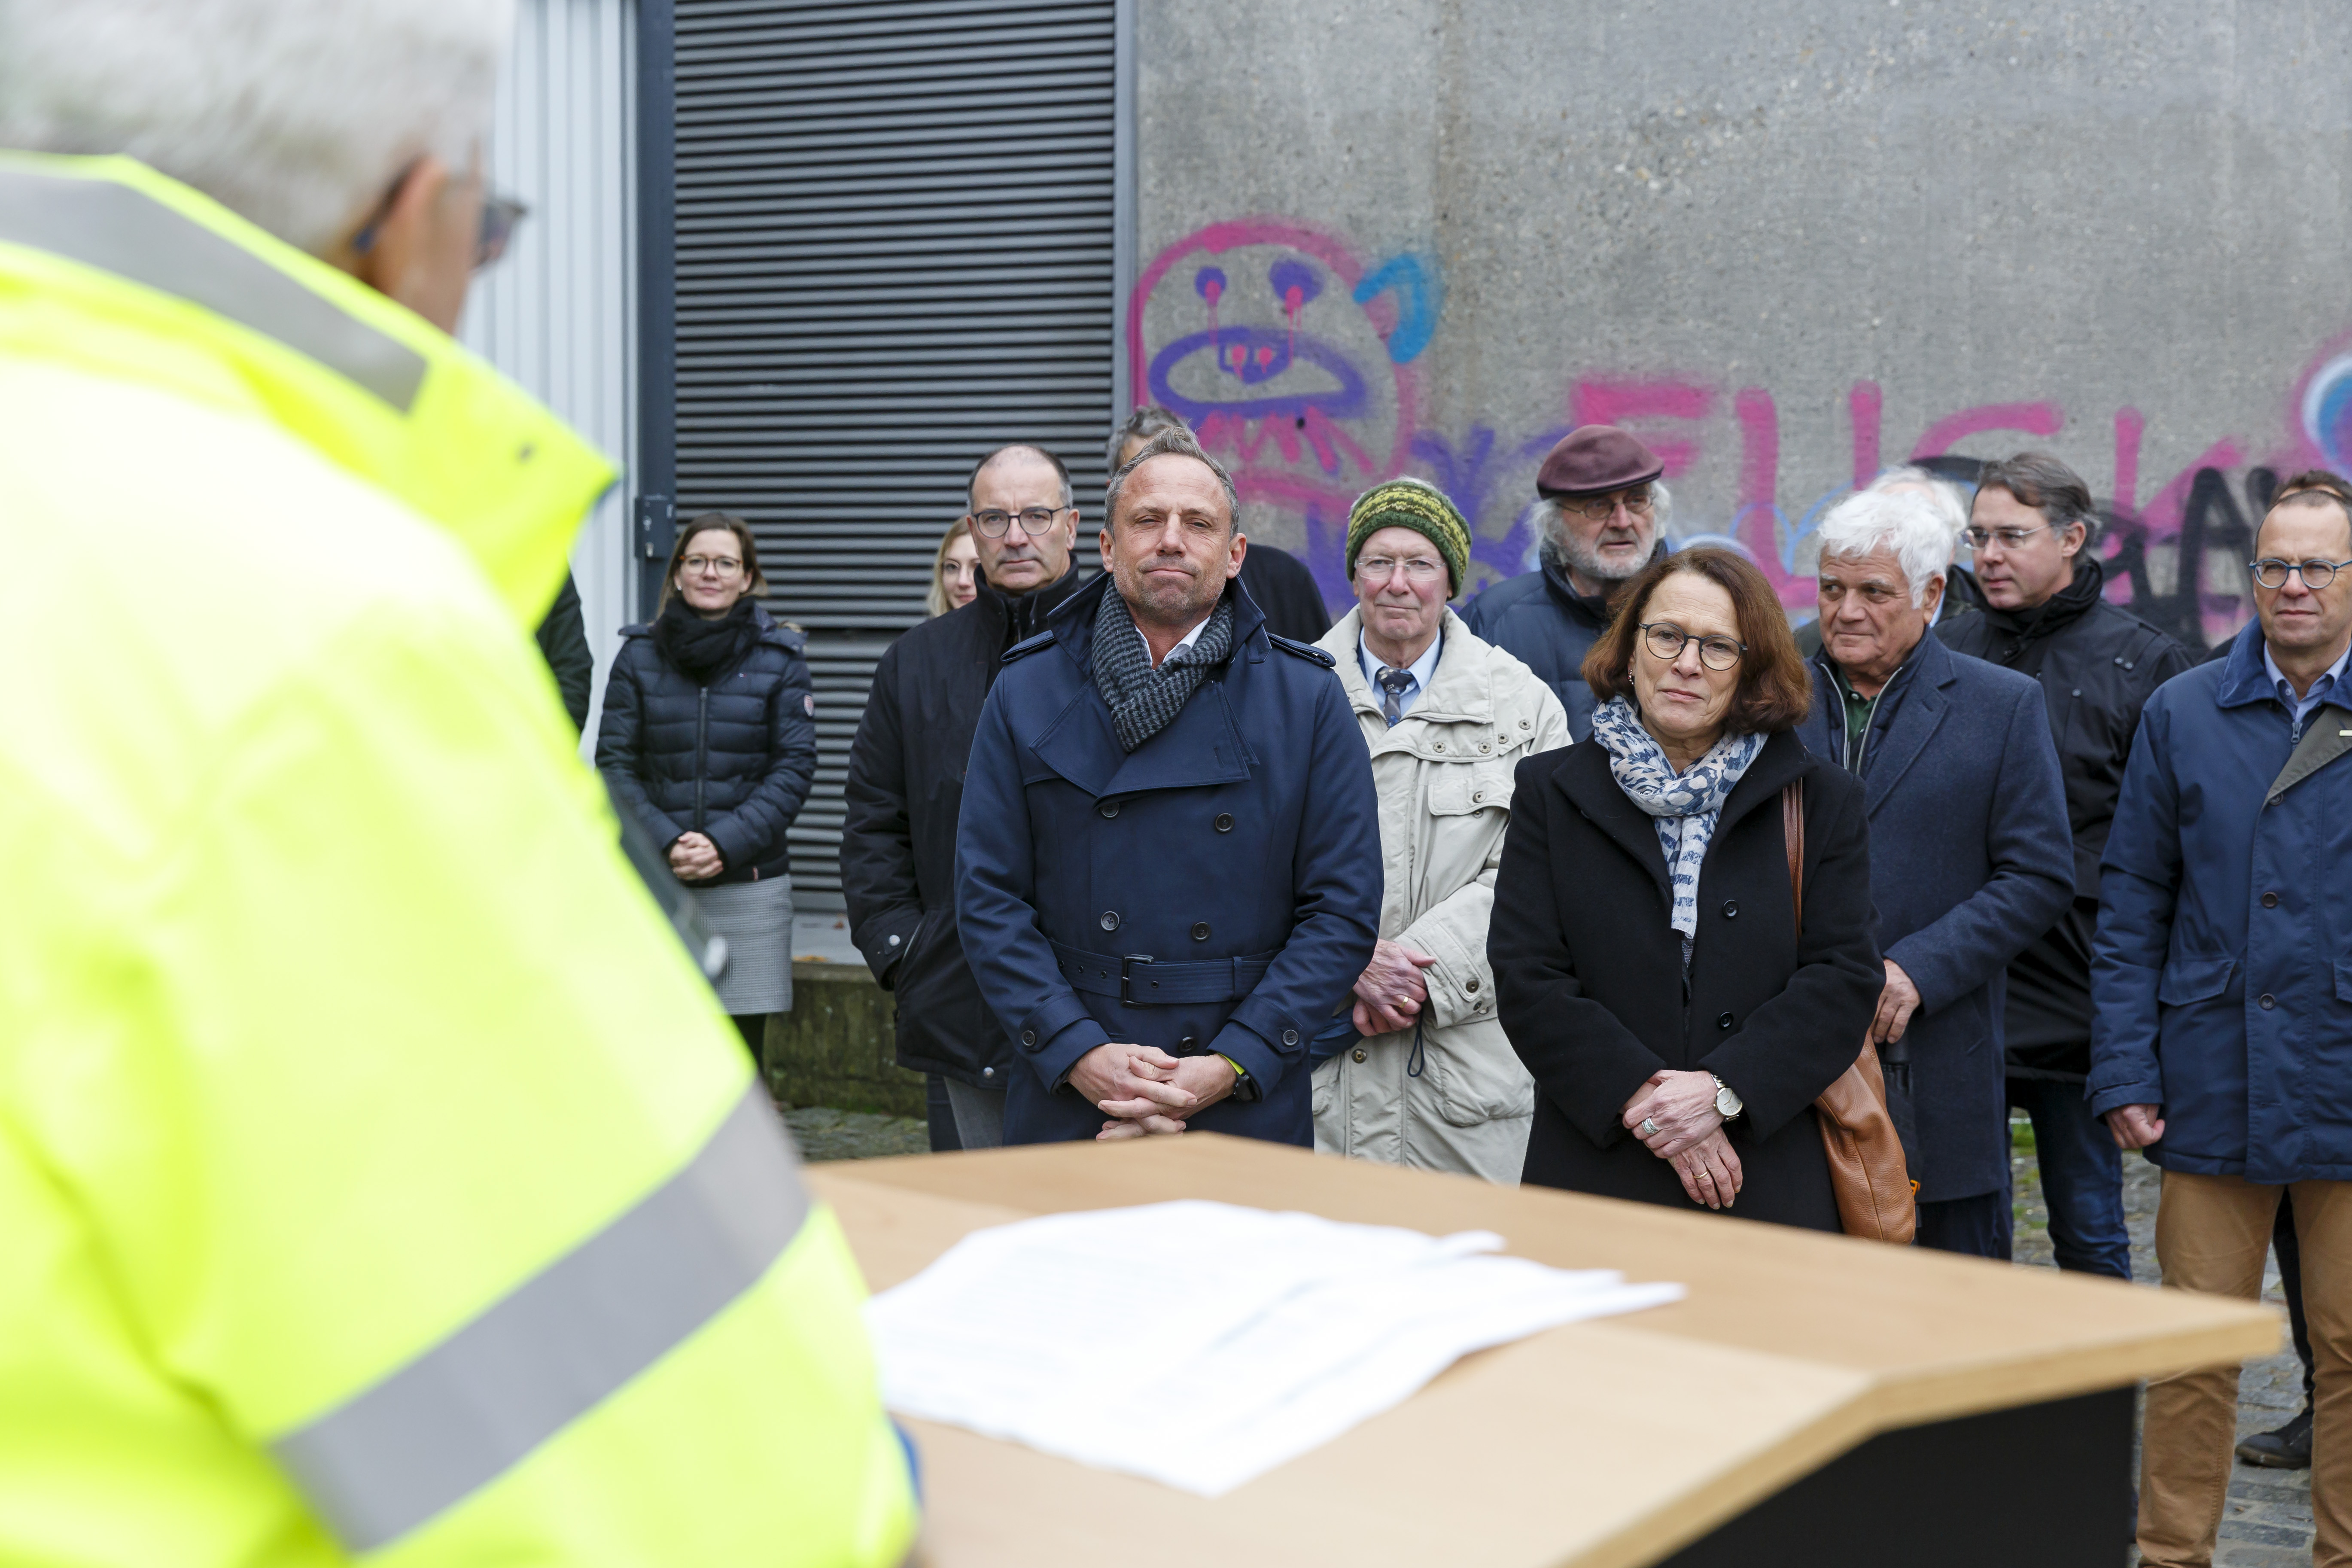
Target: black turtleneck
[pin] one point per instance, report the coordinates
(1022, 615)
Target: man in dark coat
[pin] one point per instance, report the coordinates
(2222, 1041)
(1969, 856)
(1277, 582)
(2045, 615)
(1168, 870)
(906, 781)
(1602, 519)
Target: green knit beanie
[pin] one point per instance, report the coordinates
(1418, 505)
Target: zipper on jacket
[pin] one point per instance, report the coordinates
(701, 750)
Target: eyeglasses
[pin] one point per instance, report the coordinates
(717, 565)
(1034, 520)
(1667, 642)
(2011, 537)
(2271, 573)
(1417, 568)
(1602, 509)
(1875, 594)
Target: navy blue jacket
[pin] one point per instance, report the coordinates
(731, 760)
(1242, 842)
(2221, 974)
(1970, 859)
(1538, 618)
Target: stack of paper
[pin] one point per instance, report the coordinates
(1202, 1344)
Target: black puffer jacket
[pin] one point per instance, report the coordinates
(731, 760)
(2098, 664)
(899, 825)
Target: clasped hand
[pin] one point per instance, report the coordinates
(1144, 1090)
(1391, 993)
(695, 858)
(1689, 1136)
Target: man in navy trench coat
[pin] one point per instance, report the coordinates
(1970, 854)
(1160, 929)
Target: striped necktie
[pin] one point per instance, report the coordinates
(1394, 683)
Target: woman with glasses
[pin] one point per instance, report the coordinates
(709, 738)
(1649, 964)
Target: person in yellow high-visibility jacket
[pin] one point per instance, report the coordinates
(378, 1178)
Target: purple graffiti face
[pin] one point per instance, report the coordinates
(1257, 371)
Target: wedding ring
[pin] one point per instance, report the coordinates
(1649, 1126)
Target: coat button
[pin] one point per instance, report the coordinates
(1289, 1037)
(1110, 920)
(1723, 1022)
(1438, 746)
(1524, 725)
(2270, 901)
(1109, 808)
(1731, 908)
(1200, 931)
(1470, 984)
(988, 1072)
(2266, 1001)
(1029, 1039)
(1224, 822)
(1188, 1044)
(1478, 794)
(1360, 1053)
(894, 942)
(1485, 747)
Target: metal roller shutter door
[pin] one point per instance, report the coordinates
(894, 251)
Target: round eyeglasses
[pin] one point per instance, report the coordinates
(1600, 509)
(1034, 520)
(1667, 642)
(2271, 573)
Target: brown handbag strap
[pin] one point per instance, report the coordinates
(1792, 833)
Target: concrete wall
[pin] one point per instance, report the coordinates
(1789, 241)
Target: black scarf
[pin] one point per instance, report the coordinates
(700, 649)
(1143, 700)
(2023, 629)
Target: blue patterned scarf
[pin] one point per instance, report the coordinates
(1683, 806)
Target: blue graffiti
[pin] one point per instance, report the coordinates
(1420, 296)
(1253, 356)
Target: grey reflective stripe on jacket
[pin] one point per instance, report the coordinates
(458, 1416)
(117, 229)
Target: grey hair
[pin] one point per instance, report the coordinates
(1911, 525)
(1146, 422)
(296, 114)
(1552, 520)
(1951, 503)
(2041, 481)
(1061, 469)
(1179, 442)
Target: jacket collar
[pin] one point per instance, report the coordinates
(1020, 617)
(1072, 622)
(1583, 775)
(112, 268)
(2245, 680)
(1461, 690)
(2054, 614)
(1917, 690)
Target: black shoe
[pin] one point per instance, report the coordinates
(2288, 1448)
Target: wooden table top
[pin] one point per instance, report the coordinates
(1599, 1445)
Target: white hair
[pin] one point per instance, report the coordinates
(1550, 515)
(1949, 501)
(1910, 524)
(297, 114)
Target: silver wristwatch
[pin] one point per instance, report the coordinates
(1727, 1103)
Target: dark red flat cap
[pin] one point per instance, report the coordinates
(1594, 459)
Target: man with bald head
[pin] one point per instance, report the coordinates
(906, 779)
(1168, 867)
(2221, 1019)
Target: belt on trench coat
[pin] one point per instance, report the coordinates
(1140, 980)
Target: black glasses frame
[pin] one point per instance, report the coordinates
(1655, 632)
(978, 519)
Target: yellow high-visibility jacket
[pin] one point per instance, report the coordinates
(378, 1178)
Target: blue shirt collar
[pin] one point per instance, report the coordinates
(1422, 669)
(2320, 689)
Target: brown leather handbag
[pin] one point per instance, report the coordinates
(1875, 1194)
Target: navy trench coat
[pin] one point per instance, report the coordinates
(1218, 890)
(1970, 860)
(2222, 975)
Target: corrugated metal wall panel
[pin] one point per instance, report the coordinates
(558, 314)
(894, 251)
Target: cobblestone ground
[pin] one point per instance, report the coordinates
(825, 1135)
(2268, 1524)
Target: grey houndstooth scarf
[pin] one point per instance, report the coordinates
(1143, 700)
(1683, 806)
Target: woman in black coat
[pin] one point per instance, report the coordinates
(1677, 1025)
(709, 739)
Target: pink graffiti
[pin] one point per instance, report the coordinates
(2033, 418)
(1865, 403)
(1619, 401)
(1756, 523)
(2130, 425)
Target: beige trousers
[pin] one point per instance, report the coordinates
(2213, 1234)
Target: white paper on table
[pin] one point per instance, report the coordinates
(1202, 1344)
